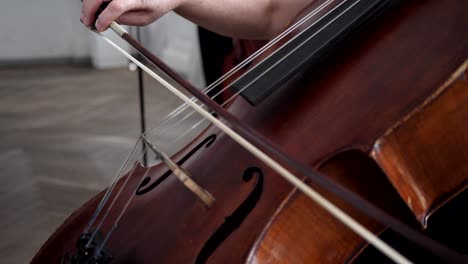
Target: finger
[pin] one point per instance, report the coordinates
(88, 11)
(136, 18)
(115, 9)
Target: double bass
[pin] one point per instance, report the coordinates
(364, 102)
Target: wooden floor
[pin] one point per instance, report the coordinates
(64, 132)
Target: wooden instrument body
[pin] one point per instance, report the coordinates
(344, 106)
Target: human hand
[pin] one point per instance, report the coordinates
(127, 12)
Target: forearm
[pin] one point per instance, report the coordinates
(248, 19)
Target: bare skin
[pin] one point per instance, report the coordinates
(249, 19)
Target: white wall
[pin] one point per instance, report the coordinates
(175, 40)
(44, 29)
(50, 30)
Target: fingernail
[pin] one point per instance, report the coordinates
(99, 26)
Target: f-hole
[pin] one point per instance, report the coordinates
(207, 142)
(233, 221)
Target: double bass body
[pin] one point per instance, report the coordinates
(333, 117)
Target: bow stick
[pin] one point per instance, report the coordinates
(265, 150)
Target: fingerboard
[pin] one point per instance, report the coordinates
(309, 47)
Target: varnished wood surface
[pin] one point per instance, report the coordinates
(300, 222)
(64, 132)
(416, 46)
(425, 155)
(370, 77)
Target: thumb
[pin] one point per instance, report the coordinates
(114, 10)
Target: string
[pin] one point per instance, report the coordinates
(110, 189)
(251, 58)
(225, 77)
(291, 178)
(347, 220)
(259, 75)
(114, 200)
(384, 218)
(376, 214)
(182, 108)
(114, 226)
